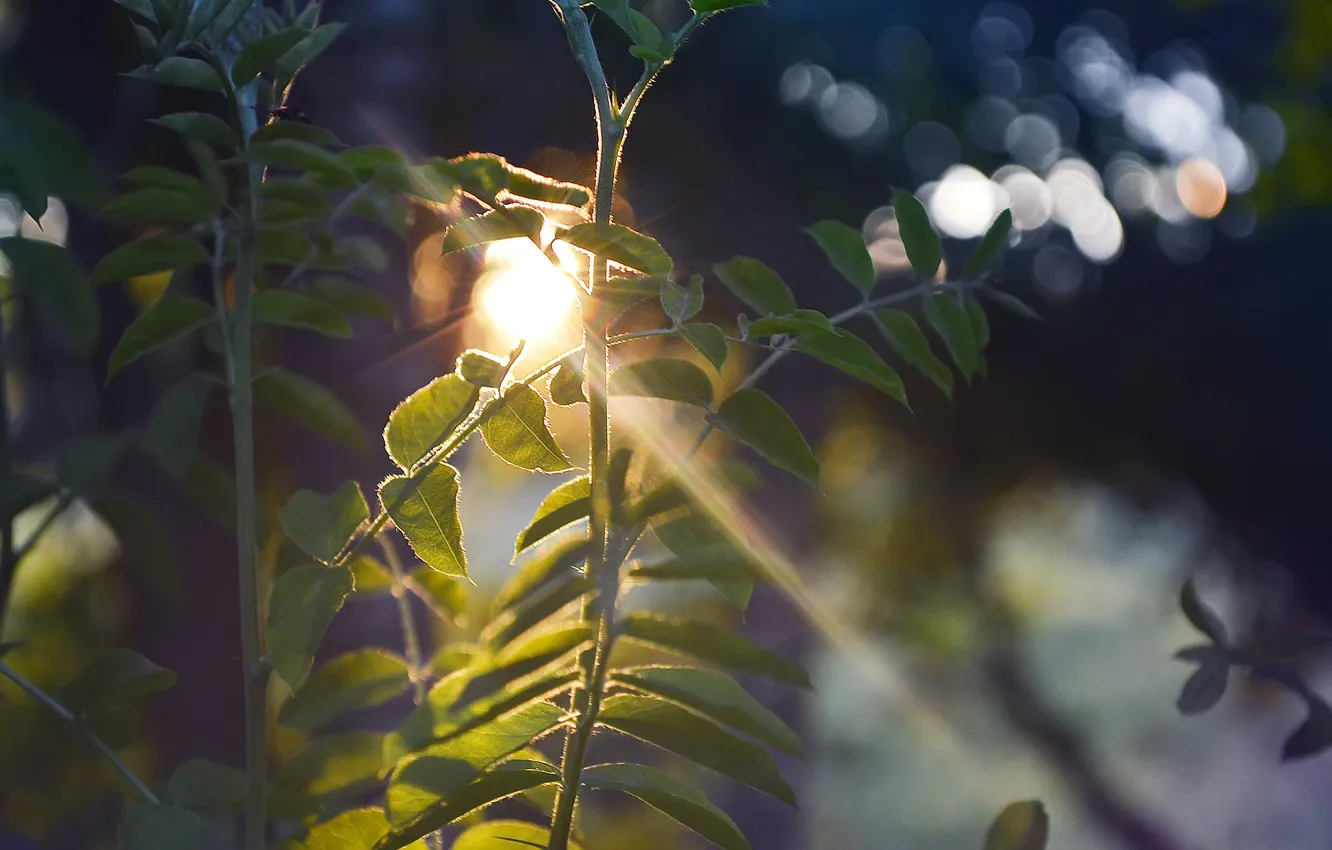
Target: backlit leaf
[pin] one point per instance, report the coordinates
(481, 369)
(502, 781)
(360, 679)
(665, 378)
(564, 505)
(427, 417)
(923, 248)
(854, 356)
(693, 737)
(757, 285)
(321, 525)
(845, 249)
(506, 835)
(425, 510)
(621, 246)
(502, 223)
(303, 602)
(566, 384)
(708, 340)
(329, 768)
(169, 319)
(715, 695)
(682, 803)
(754, 419)
(713, 644)
(517, 432)
(358, 829)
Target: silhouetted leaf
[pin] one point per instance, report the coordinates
(169, 319)
(303, 602)
(425, 510)
(665, 378)
(757, 285)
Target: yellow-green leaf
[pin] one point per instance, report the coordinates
(425, 510)
(517, 432)
(427, 417)
(303, 602)
(754, 419)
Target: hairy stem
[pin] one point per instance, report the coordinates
(599, 606)
(240, 376)
(69, 717)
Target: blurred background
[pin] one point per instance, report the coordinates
(989, 585)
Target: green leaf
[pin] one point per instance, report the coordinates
(357, 680)
(351, 300)
(535, 608)
(980, 323)
(443, 593)
(210, 169)
(169, 319)
(708, 340)
(780, 325)
(682, 803)
(990, 247)
(307, 51)
(321, 525)
(21, 178)
(1020, 826)
(262, 55)
(621, 246)
(566, 384)
(370, 575)
(294, 310)
(665, 378)
(697, 739)
(202, 784)
(304, 601)
(293, 201)
(536, 187)
(845, 249)
(854, 356)
(183, 72)
(516, 431)
(714, 695)
(172, 433)
(201, 127)
(160, 206)
(506, 835)
(1312, 737)
(427, 417)
(335, 766)
(358, 829)
(147, 826)
(148, 255)
(1203, 618)
(310, 404)
(426, 512)
(502, 223)
(922, 244)
(950, 321)
(481, 369)
(499, 783)
(907, 339)
(117, 676)
(704, 641)
(1011, 303)
(60, 152)
(57, 289)
(757, 285)
(159, 177)
(291, 153)
(556, 564)
(442, 770)
(754, 419)
(1205, 687)
(296, 131)
(706, 6)
(83, 464)
(564, 505)
(142, 8)
(682, 303)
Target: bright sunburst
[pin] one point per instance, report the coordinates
(521, 296)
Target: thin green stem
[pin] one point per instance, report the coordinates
(8, 557)
(411, 641)
(69, 717)
(599, 605)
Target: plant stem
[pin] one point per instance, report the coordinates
(240, 369)
(599, 605)
(411, 641)
(8, 557)
(69, 717)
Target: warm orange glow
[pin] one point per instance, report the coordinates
(1201, 187)
(523, 296)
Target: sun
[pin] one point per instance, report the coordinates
(522, 296)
